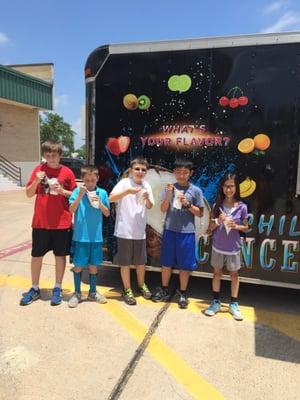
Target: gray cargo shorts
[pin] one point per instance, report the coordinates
(130, 252)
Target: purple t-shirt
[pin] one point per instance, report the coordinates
(230, 243)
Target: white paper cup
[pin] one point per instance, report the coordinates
(227, 220)
(177, 196)
(51, 182)
(92, 198)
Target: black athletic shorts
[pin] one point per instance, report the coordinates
(44, 240)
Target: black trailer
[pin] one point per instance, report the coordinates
(226, 103)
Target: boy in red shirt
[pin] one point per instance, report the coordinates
(52, 183)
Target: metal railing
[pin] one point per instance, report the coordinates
(10, 170)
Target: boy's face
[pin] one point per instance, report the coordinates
(90, 181)
(52, 159)
(138, 172)
(182, 175)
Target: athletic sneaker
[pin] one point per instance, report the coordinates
(161, 295)
(30, 296)
(129, 297)
(56, 298)
(182, 299)
(235, 311)
(213, 308)
(144, 290)
(74, 300)
(97, 297)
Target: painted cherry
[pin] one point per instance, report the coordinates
(113, 146)
(243, 100)
(233, 103)
(224, 101)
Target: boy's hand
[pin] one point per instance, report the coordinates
(184, 201)
(133, 190)
(40, 176)
(82, 190)
(145, 195)
(170, 187)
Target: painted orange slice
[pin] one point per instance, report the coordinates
(262, 141)
(246, 145)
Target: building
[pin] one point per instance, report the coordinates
(24, 91)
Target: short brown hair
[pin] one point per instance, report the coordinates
(139, 160)
(89, 170)
(52, 147)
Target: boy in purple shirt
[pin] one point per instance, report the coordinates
(229, 219)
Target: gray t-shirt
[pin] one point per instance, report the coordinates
(183, 220)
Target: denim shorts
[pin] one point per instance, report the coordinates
(85, 254)
(178, 250)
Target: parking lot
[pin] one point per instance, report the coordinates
(149, 351)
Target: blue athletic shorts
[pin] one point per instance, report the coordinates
(178, 250)
(85, 254)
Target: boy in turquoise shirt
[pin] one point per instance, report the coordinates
(89, 203)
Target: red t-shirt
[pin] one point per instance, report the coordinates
(52, 211)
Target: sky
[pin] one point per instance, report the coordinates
(65, 32)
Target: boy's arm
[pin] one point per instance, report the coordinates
(165, 204)
(115, 197)
(31, 189)
(197, 211)
(104, 205)
(73, 206)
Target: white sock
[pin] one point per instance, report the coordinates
(58, 285)
(35, 287)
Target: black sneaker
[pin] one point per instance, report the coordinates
(161, 295)
(129, 297)
(182, 300)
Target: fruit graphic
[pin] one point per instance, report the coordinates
(116, 146)
(246, 146)
(144, 102)
(243, 100)
(130, 101)
(224, 101)
(262, 141)
(233, 103)
(247, 187)
(179, 83)
(123, 143)
(113, 146)
(232, 100)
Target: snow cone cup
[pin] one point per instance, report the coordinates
(227, 221)
(139, 197)
(51, 183)
(177, 196)
(93, 198)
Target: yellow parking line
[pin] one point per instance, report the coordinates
(193, 383)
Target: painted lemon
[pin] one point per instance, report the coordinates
(262, 141)
(246, 145)
(130, 101)
(247, 187)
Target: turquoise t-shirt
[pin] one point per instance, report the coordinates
(88, 220)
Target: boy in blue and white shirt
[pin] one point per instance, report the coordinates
(89, 203)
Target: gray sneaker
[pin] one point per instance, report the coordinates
(97, 297)
(74, 300)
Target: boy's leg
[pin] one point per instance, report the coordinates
(143, 288)
(36, 266)
(34, 292)
(125, 276)
(76, 297)
(184, 277)
(60, 266)
(166, 273)
(93, 294)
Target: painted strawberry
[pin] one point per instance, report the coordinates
(113, 146)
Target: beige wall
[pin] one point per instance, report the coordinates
(20, 136)
(41, 71)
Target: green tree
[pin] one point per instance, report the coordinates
(53, 127)
(81, 152)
